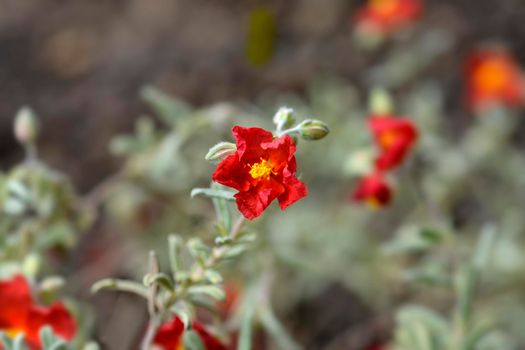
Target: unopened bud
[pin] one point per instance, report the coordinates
(284, 118)
(313, 129)
(26, 126)
(52, 284)
(380, 102)
(220, 151)
(31, 265)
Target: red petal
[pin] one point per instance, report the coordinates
(404, 133)
(210, 342)
(169, 334)
(56, 316)
(253, 202)
(249, 142)
(373, 187)
(15, 301)
(295, 190)
(281, 153)
(230, 172)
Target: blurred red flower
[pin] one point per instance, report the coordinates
(493, 77)
(373, 190)
(385, 16)
(378, 346)
(394, 137)
(233, 291)
(262, 169)
(169, 336)
(20, 314)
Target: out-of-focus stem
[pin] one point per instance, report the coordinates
(216, 256)
(155, 317)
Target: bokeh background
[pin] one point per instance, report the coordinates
(82, 63)
(82, 66)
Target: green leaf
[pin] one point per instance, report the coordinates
(245, 332)
(192, 341)
(212, 291)
(224, 216)
(169, 109)
(198, 249)
(220, 151)
(234, 251)
(50, 341)
(6, 342)
(213, 276)
(213, 193)
(174, 251)
(276, 330)
(484, 248)
(159, 278)
(19, 342)
(120, 285)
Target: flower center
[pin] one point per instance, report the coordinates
(373, 203)
(12, 332)
(385, 8)
(261, 170)
(387, 138)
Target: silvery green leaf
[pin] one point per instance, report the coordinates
(213, 276)
(276, 330)
(14, 206)
(192, 341)
(159, 278)
(213, 193)
(120, 285)
(174, 251)
(234, 251)
(6, 342)
(212, 291)
(169, 109)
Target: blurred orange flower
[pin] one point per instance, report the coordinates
(20, 314)
(373, 190)
(493, 77)
(385, 16)
(395, 137)
(169, 336)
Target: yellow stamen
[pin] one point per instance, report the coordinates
(373, 203)
(261, 170)
(387, 138)
(12, 333)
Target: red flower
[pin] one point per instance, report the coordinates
(19, 314)
(394, 137)
(169, 336)
(378, 346)
(385, 16)
(373, 190)
(493, 77)
(262, 169)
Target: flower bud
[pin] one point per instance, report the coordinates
(284, 118)
(220, 151)
(380, 102)
(52, 284)
(31, 264)
(313, 129)
(26, 126)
